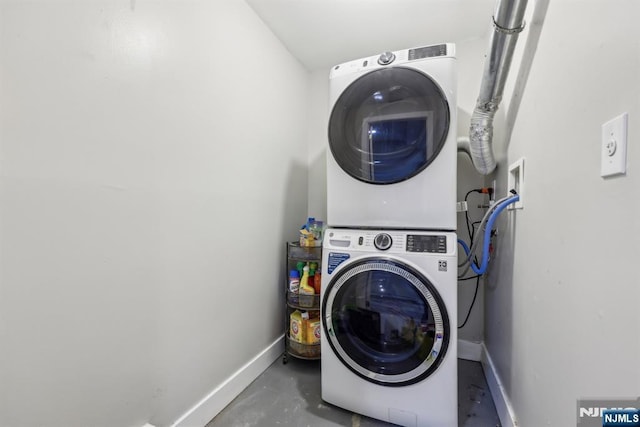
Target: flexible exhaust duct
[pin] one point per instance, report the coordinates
(508, 22)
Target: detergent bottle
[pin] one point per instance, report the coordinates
(297, 328)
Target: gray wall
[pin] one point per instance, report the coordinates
(562, 318)
(140, 258)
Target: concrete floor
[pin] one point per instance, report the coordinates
(289, 395)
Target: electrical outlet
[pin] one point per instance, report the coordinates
(614, 146)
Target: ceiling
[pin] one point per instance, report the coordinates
(322, 33)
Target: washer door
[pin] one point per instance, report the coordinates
(385, 321)
(388, 125)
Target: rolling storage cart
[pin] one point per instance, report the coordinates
(302, 336)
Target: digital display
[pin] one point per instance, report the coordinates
(421, 243)
(427, 52)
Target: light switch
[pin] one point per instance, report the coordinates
(614, 147)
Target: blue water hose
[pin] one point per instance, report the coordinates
(487, 237)
(466, 251)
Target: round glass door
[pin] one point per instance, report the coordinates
(385, 322)
(388, 125)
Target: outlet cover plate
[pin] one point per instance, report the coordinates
(515, 181)
(614, 146)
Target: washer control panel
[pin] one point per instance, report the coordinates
(390, 241)
(427, 243)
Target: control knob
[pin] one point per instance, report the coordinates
(386, 58)
(382, 241)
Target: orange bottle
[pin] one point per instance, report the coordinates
(316, 282)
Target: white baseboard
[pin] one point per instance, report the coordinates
(221, 396)
(500, 397)
(470, 350)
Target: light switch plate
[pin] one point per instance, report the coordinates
(614, 147)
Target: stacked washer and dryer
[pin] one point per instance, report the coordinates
(389, 270)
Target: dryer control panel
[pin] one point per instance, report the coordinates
(427, 52)
(395, 58)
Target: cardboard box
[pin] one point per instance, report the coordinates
(312, 335)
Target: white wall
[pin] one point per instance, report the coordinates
(562, 319)
(153, 162)
(317, 141)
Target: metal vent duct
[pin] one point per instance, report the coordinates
(508, 22)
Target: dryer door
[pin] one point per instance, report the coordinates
(385, 321)
(388, 125)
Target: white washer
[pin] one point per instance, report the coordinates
(389, 338)
(392, 161)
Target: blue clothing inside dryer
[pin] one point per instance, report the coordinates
(397, 148)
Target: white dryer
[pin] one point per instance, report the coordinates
(389, 341)
(391, 161)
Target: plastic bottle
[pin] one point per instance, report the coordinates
(304, 281)
(294, 281)
(317, 282)
(310, 221)
(315, 227)
(294, 286)
(313, 271)
(299, 266)
(306, 291)
(312, 277)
